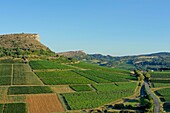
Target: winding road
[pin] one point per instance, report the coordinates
(155, 99)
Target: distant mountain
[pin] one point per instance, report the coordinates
(22, 44)
(73, 53)
(155, 61)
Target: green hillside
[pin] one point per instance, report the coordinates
(156, 61)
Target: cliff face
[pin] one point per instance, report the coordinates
(24, 41)
(33, 36)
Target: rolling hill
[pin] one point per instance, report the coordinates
(155, 61)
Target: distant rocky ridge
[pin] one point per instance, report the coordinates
(72, 53)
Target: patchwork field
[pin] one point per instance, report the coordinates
(105, 93)
(46, 87)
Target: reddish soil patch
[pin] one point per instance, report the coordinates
(44, 103)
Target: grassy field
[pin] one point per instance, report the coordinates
(13, 90)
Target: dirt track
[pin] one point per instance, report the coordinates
(44, 103)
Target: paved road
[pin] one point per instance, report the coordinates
(142, 91)
(155, 99)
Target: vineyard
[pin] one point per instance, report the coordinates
(5, 74)
(161, 80)
(157, 85)
(81, 88)
(44, 64)
(68, 86)
(59, 77)
(160, 77)
(102, 96)
(165, 93)
(160, 74)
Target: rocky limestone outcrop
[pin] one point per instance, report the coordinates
(22, 40)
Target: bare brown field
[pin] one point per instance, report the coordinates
(44, 103)
(62, 89)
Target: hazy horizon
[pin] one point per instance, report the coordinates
(116, 28)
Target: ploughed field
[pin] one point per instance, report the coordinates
(47, 86)
(161, 84)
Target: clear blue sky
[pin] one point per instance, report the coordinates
(115, 27)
